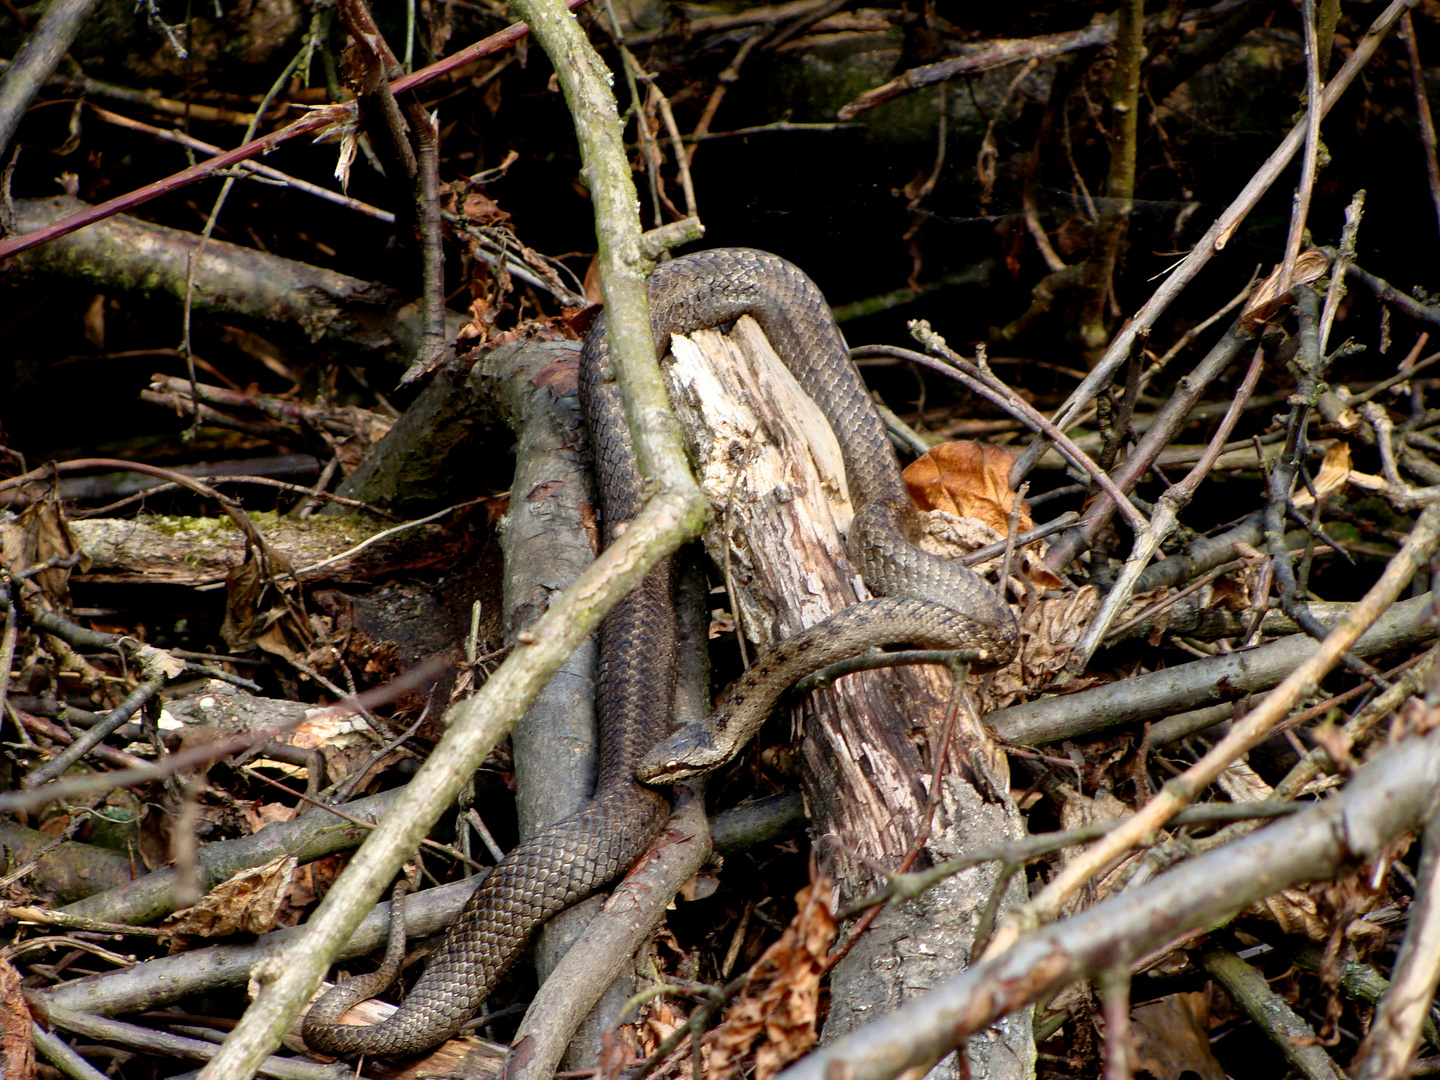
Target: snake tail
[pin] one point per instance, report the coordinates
(537, 880)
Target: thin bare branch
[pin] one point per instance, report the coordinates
(1255, 726)
(1394, 793)
(317, 120)
(1394, 1037)
(1214, 240)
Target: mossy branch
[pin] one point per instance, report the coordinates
(625, 255)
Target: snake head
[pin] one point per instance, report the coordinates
(690, 752)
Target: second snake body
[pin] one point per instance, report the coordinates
(929, 602)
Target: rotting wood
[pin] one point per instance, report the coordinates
(771, 468)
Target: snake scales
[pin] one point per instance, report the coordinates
(928, 602)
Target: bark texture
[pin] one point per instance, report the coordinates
(772, 470)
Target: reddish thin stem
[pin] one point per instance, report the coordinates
(318, 119)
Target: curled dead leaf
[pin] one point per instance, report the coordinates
(1334, 474)
(953, 537)
(1050, 630)
(159, 660)
(480, 209)
(17, 1048)
(1267, 299)
(39, 534)
(258, 612)
(967, 479)
(1172, 1039)
(1294, 911)
(480, 321)
(93, 322)
(368, 429)
(247, 903)
(776, 1010)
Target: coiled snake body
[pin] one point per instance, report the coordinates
(928, 602)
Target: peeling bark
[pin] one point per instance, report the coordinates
(771, 467)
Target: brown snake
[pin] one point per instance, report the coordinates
(928, 602)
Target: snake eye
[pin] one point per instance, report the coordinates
(673, 763)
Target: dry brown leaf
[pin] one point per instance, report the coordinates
(258, 815)
(1334, 474)
(951, 537)
(701, 886)
(777, 1007)
(1236, 590)
(479, 322)
(967, 479)
(1241, 784)
(17, 1048)
(242, 591)
(1294, 911)
(721, 622)
(368, 429)
(93, 321)
(480, 209)
(1049, 631)
(301, 896)
(256, 615)
(1172, 1040)
(347, 760)
(246, 904)
(658, 1019)
(1316, 911)
(40, 533)
(1267, 299)
(263, 350)
(154, 659)
(1413, 720)
(661, 1021)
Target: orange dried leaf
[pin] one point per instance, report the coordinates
(17, 1049)
(777, 1008)
(1334, 474)
(967, 479)
(480, 209)
(480, 322)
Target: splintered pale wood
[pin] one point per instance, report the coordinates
(771, 468)
(769, 464)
